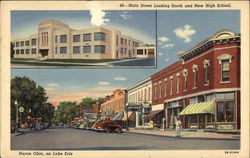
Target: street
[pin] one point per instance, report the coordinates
(75, 139)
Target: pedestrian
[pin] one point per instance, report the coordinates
(151, 124)
(177, 127)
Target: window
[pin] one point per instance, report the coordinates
(27, 43)
(117, 40)
(129, 42)
(223, 96)
(33, 41)
(155, 92)
(76, 38)
(145, 94)
(193, 100)
(121, 50)
(86, 49)
(171, 85)
(178, 83)
(63, 50)
(225, 111)
(121, 40)
(17, 44)
(206, 66)
(201, 98)
(160, 90)
(76, 49)
(125, 41)
(193, 119)
(149, 94)
(22, 51)
(225, 70)
(22, 43)
(17, 51)
(209, 97)
(33, 51)
(195, 70)
(99, 49)
(140, 51)
(125, 50)
(56, 37)
(63, 39)
(27, 51)
(99, 36)
(86, 37)
(185, 73)
(56, 50)
(165, 88)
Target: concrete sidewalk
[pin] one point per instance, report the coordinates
(199, 134)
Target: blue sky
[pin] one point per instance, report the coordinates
(176, 31)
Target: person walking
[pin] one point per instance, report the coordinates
(177, 127)
(151, 124)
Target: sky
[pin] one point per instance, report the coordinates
(176, 31)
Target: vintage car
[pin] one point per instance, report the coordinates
(107, 126)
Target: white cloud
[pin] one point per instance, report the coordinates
(120, 78)
(163, 39)
(98, 17)
(169, 45)
(167, 59)
(103, 83)
(53, 84)
(49, 89)
(125, 15)
(185, 33)
(160, 54)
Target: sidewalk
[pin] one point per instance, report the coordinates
(199, 134)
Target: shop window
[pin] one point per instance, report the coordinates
(76, 38)
(206, 67)
(99, 36)
(193, 119)
(76, 49)
(225, 111)
(63, 38)
(210, 118)
(63, 50)
(86, 49)
(99, 49)
(86, 37)
(209, 97)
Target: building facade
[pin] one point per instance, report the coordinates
(139, 97)
(56, 40)
(203, 87)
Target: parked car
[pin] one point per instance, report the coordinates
(107, 126)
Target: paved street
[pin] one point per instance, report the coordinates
(74, 139)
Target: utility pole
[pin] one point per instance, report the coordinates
(126, 109)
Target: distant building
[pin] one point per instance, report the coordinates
(56, 40)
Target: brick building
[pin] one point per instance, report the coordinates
(203, 87)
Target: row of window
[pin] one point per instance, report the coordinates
(125, 50)
(98, 36)
(26, 51)
(85, 49)
(27, 43)
(127, 42)
(142, 95)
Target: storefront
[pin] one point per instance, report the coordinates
(172, 111)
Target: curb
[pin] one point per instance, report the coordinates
(166, 136)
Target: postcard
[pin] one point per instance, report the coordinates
(124, 79)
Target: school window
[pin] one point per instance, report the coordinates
(33, 41)
(225, 70)
(76, 38)
(225, 111)
(33, 51)
(63, 39)
(63, 50)
(27, 43)
(27, 51)
(99, 36)
(22, 43)
(99, 49)
(17, 51)
(17, 44)
(86, 49)
(86, 37)
(76, 49)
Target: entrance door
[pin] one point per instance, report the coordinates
(44, 52)
(201, 121)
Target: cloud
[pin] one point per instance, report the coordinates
(98, 17)
(103, 83)
(163, 39)
(160, 54)
(167, 59)
(125, 15)
(185, 33)
(49, 88)
(53, 84)
(50, 93)
(107, 88)
(120, 78)
(169, 45)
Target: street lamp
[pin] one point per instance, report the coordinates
(16, 104)
(126, 110)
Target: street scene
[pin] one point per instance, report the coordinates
(191, 101)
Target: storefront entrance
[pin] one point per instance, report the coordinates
(172, 114)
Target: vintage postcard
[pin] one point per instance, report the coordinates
(125, 79)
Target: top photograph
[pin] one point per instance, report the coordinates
(83, 39)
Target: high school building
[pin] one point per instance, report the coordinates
(56, 40)
(202, 88)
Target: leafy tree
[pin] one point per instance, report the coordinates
(88, 102)
(66, 112)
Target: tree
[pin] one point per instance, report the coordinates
(66, 112)
(88, 102)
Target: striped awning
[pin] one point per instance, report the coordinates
(199, 108)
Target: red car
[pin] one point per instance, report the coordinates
(107, 126)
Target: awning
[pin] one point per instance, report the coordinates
(153, 114)
(130, 116)
(118, 116)
(199, 108)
